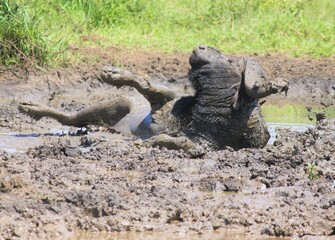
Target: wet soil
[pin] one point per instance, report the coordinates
(65, 186)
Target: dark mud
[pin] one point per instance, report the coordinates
(67, 186)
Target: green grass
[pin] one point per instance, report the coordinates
(19, 39)
(291, 27)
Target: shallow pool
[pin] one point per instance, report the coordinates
(293, 117)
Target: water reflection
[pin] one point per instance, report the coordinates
(294, 117)
(290, 126)
(23, 135)
(294, 114)
(19, 142)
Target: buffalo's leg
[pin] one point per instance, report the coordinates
(164, 140)
(156, 94)
(108, 113)
(257, 133)
(255, 83)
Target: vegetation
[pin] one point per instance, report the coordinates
(19, 38)
(311, 171)
(40, 28)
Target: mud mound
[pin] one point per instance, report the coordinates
(100, 184)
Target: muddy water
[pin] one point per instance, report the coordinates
(120, 186)
(21, 141)
(294, 114)
(213, 235)
(293, 117)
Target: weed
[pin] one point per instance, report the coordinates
(311, 171)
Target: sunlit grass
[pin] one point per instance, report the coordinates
(291, 27)
(19, 38)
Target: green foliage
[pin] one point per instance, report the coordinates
(311, 171)
(20, 40)
(110, 13)
(295, 27)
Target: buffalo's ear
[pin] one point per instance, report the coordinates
(239, 65)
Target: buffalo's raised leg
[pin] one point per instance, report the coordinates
(256, 84)
(108, 113)
(156, 94)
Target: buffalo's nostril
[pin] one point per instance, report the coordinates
(202, 47)
(115, 70)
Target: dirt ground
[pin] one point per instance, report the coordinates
(59, 185)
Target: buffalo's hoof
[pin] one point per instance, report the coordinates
(34, 110)
(280, 85)
(116, 76)
(110, 72)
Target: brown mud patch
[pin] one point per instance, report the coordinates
(64, 186)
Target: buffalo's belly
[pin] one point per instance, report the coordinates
(226, 127)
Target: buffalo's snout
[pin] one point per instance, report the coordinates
(200, 48)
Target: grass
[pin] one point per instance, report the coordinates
(19, 39)
(291, 27)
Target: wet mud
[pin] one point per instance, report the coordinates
(56, 182)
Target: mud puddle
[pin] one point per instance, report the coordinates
(296, 118)
(291, 114)
(20, 142)
(213, 235)
(292, 117)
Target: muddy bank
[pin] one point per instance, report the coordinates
(106, 181)
(99, 183)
